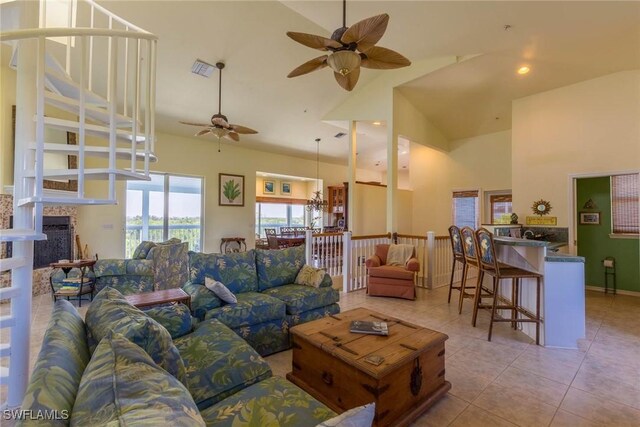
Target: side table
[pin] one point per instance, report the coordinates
(73, 288)
(149, 299)
(232, 244)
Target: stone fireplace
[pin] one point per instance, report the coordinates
(59, 223)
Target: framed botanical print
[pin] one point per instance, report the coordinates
(231, 189)
(268, 187)
(589, 218)
(285, 188)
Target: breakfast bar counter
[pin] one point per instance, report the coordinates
(563, 291)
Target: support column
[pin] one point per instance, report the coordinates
(392, 178)
(352, 174)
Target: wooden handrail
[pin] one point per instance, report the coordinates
(442, 237)
(326, 234)
(72, 32)
(412, 236)
(371, 236)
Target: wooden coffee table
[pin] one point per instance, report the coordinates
(149, 299)
(329, 363)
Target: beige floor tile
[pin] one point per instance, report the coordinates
(554, 364)
(442, 413)
(598, 410)
(621, 353)
(609, 381)
(477, 417)
(546, 390)
(280, 363)
(520, 408)
(567, 419)
(465, 384)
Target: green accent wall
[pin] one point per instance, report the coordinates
(595, 244)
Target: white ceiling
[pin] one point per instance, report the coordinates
(565, 42)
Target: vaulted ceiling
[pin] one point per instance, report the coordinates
(562, 42)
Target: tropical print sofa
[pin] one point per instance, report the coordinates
(122, 367)
(153, 266)
(269, 302)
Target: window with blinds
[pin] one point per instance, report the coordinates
(465, 208)
(625, 204)
(500, 208)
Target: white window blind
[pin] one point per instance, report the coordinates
(625, 204)
(465, 208)
(500, 209)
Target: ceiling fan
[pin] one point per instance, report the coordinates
(220, 126)
(351, 48)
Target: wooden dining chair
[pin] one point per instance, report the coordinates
(272, 238)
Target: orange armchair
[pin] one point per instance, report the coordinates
(391, 280)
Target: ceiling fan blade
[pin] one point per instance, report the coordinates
(195, 124)
(349, 81)
(309, 66)
(381, 58)
(242, 129)
(220, 122)
(232, 136)
(203, 132)
(313, 41)
(367, 32)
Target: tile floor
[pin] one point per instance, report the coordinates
(509, 381)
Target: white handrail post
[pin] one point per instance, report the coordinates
(308, 246)
(431, 257)
(346, 261)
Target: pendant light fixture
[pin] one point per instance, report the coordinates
(317, 203)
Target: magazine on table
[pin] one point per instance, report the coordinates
(367, 327)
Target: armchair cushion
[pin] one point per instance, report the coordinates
(413, 264)
(373, 261)
(391, 272)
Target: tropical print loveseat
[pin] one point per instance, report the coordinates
(269, 302)
(122, 367)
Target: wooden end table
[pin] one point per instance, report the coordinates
(85, 284)
(330, 363)
(165, 296)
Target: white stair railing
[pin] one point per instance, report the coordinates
(107, 86)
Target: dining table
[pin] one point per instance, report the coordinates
(290, 240)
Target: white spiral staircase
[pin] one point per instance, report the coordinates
(76, 57)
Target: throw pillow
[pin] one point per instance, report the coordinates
(122, 386)
(142, 250)
(310, 276)
(220, 290)
(362, 416)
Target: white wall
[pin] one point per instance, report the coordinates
(588, 127)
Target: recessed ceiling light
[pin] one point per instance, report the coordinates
(376, 123)
(523, 70)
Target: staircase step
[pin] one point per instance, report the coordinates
(92, 112)
(10, 292)
(4, 375)
(102, 131)
(94, 174)
(7, 321)
(9, 263)
(19, 234)
(93, 151)
(62, 84)
(67, 201)
(5, 350)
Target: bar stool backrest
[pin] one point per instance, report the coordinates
(487, 250)
(469, 245)
(456, 243)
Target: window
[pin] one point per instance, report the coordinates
(276, 215)
(500, 209)
(465, 208)
(625, 204)
(167, 206)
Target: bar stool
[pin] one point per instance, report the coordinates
(489, 265)
(458, 256)
(470, 251)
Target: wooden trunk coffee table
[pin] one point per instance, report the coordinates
(329, 363)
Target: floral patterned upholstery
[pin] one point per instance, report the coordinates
(469, 242)
(267, 337)
(273, 402)
(237, 271)
(300, 298)
(307, 316)
(456, 241)
(170, 265)
(109, 311)
(142, 250)
(219, 363)
(176, 318)
(58, 371)
(486, 247)
(252, 308)
(128, 276)
(123, 386)
(202, 299)
(278, 267)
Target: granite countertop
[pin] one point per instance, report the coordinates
(560, 257)
(514, 241)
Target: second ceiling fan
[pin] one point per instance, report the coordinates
(351, 48)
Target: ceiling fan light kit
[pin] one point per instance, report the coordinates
(220, 126)
(351, 48)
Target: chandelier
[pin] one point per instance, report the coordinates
(317, 203)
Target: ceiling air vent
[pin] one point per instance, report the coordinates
(340, 134)
(201, 68)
